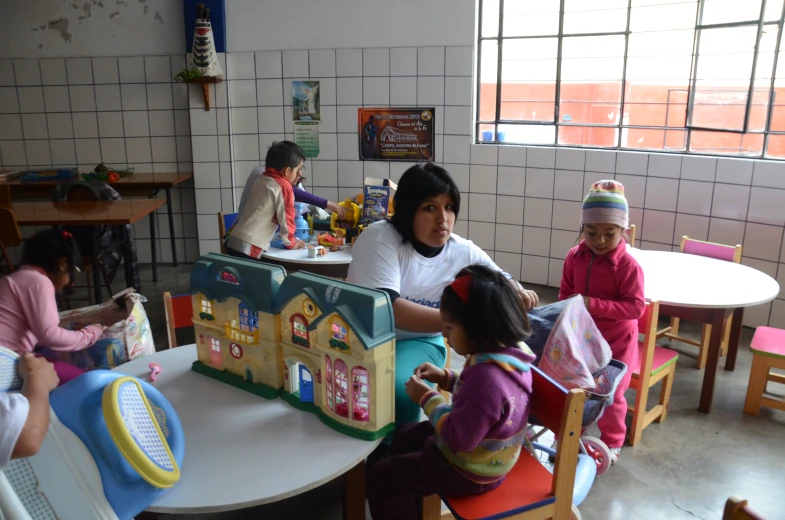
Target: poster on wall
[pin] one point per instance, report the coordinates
(396, 134)
(306, 103)
(306, 135)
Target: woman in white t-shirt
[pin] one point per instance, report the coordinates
(413, 257)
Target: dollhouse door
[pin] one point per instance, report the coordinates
(216, 359)
(306, 385)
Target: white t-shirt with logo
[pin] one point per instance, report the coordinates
(381, 261)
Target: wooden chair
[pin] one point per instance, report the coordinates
(447, 395)
(225, 223)
(657, 364)
(530, 491)
(736, 509)
(179, 314)
(768, 351)
(631, 235)
(712, 250)
(10, 236)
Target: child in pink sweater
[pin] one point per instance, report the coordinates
(28, 309)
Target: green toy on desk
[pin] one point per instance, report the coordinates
(105, 173)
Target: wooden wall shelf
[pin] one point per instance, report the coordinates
(205, 83)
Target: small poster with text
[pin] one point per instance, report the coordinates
(396, 134)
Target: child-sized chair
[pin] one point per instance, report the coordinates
(736, 508)
(530, 491)
(656, 364)
(225, 223)
(768, 351)
(179, 313)
(712, 250)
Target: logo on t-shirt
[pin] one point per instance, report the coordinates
(424, 302)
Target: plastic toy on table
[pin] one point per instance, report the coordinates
(302, 227)
(59, 174)
(113, 446)
(332, 241)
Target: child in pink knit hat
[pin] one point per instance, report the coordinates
(611, 283)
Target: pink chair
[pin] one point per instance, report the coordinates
(768, 351)
(711, 250)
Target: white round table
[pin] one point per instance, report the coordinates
(243, 450)
(706, 290)
(334, 263)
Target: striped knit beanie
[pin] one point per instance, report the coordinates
(605, 204)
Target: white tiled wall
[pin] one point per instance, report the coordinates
(521, 204)
(125, 112)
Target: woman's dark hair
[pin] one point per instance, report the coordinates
(284, 154)
(418, 183)
(495, 315)
(46, 248)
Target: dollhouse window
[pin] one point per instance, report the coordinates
(236, 350)
(215, 345)
(341, 388)
(207, 306)
(249, 320)
(360, 395)
(328, 371)
(228, 277)
(300, 331)
(339, 332)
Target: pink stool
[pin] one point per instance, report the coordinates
(768, 351)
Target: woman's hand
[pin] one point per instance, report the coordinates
(529, 298)
(432, 374)
(340, 211)
(416, 388)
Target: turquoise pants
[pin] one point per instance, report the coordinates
(409, 354)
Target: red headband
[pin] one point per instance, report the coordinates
(461, 287)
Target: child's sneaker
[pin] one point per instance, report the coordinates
(615, 453)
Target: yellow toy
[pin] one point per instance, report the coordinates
(352, 217)
(332, 240)
(322, 345)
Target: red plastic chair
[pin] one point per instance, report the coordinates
(179, 314)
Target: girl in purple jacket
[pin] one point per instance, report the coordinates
(467, 447)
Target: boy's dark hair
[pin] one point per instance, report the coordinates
(284, 154)
(495, 315)
(46, 248)
(418, 183)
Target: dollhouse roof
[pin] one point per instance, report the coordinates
(255, 283)
(367, 312)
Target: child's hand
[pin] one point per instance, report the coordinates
(299, 244)
(340, 211)
(416, 388)
(38, 371)
(529, 298)
(432, 373)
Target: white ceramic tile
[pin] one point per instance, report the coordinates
(27, 72)
(60, 126)
(457, 149)
(204, 122)
(184, 153)
(376, 169)
(601, 161)
(134, 97)
(539, 182)
(555, 268)
(205, 148)
(63, 152)
(698, 168)
(534, 269)
(11, 127)
(248, 120)
(347, 118)
(13, 153)
(767, 206)
(482, 207)
(347, 147)
(376, 62)
(658, 226)
(245, 147)
(31, 99)
(654, 246)
(131, 69)
(328, 146)
(509, 210)
(180, 95)
(242, 93)
(632, 163)
(537, 213)
(268, 64)
(634, 189)
(157, 69)
(664, 165)
(570, 159)
(83, 99)
(376, 91)
(536, 241)
(458, 61)
(777, 317)
(349, 62)
(85, 125)
(327, 88)
(177, 62)
(269, 92)
(159, 96)
(541, 157)
(38, 153)
(482, 234)
(769, 174)
(458, 91)
(430, 90)
(770, 268)
(403, 62)
(512, 156)
(695, 197)
(138, 148)
(110, 124)
(636, 217)
(34, 126)
(508, 238)
(403, 90)
(566, 215)
(457, 120)
(224, 148)
(561, 243)
(510, 263)
(730, 232)
(350, 91)
(735, 171)
(483, 179)
(136, 124)
(731, 202)
(295, 64)
(484, 154)
(80, 71)
(762, 242)
(328, 121)
(693, 226)
(240, 65)
(350, 174)
(113, 150)
(460, 173)
(757, 316)
(430, 61)
(53, 72)
(322, 63)
(9, 102)
(7, 73)
(206, 175)
(182, 123)
(105, 71)
(208, 201)
(162, 122)
(661, 194)
(461, 228)
(107, 98)
(568, 185)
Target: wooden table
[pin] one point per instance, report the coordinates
(90, 213)
(243, 450)
(334, 264)
(138, 184)
(705, 290)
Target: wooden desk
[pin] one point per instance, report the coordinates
(138, 184)
(90, 213)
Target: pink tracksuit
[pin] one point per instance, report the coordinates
(614, 284)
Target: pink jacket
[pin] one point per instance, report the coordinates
(614, 284)
(29, 317)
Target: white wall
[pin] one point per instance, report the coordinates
(254, 25)
(68, 28)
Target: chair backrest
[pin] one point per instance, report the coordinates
(5, 196)
(631, 235)
(736, 508)
(10, 235)
(647, 327)
(179, 314)
(711, 249)
(225, 223)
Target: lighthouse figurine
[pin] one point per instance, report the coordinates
(203, 55)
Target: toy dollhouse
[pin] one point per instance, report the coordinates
(323, 345)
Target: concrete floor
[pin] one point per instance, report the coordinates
(684, 468)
